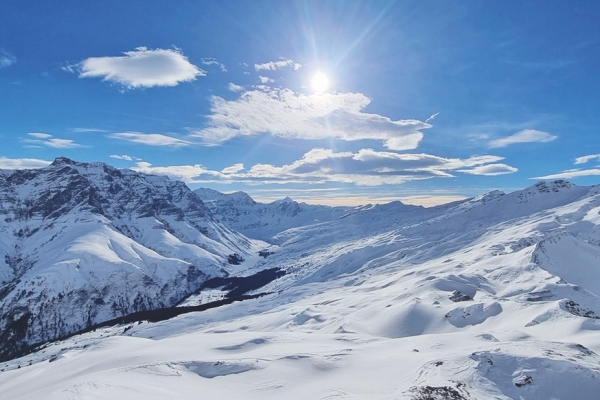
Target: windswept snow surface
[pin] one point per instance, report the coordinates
(494, 297)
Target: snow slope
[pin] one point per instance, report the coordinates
(495, 297)
(85, 242)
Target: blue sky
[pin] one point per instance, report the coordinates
(427, 101)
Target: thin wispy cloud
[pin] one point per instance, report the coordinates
(431, 118)
(482, 133)
(47, 140)
(585, 159)
(275, 65)
(150, 139)
(570, 174)
(576, 172)
(39, 135)
(542, 65)
(213, 61)
(6, 59)
(140, 68)
(285, 113)
(366, 167)
(490, 170)
(124, 157)
(22, 163)
(524, 136)
(87, 130)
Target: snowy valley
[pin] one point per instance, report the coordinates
(493, 297)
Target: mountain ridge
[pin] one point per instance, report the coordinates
(262, 221)
(86, 242)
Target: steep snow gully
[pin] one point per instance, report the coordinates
(493, 297)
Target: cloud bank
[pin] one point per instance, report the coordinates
(22, 163)
(285, 113)
(140, 68)
(367, 167)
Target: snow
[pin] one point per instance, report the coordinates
(84, 243)
(240, 212)
(494, 297)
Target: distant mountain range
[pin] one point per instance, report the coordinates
(240, 212)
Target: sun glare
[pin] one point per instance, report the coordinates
(320, 82)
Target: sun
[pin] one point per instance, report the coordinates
(319, 82)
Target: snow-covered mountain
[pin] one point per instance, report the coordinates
(494, 297)
(85, 242)
(240, 212)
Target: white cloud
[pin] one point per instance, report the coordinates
(235, 88)
(366, 167)
(124, 157)
(274, 65)
(213, 61)
(235, 168)
(45, 139)
(22, 163)
(573, 173)
(140, 68)
(431, 118)
(585, 159)
(285, 113)
(524, 136)
(150, 139)
(490, 170)
(61, 143)
(576, 173)
(6, 59)
(264, 79)
(184, 172)
(40, 135)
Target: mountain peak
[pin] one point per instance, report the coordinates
(286, 199)
(239, 197)
(552, 186)
(61, 161)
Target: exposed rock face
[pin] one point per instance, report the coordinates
(84, 242)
